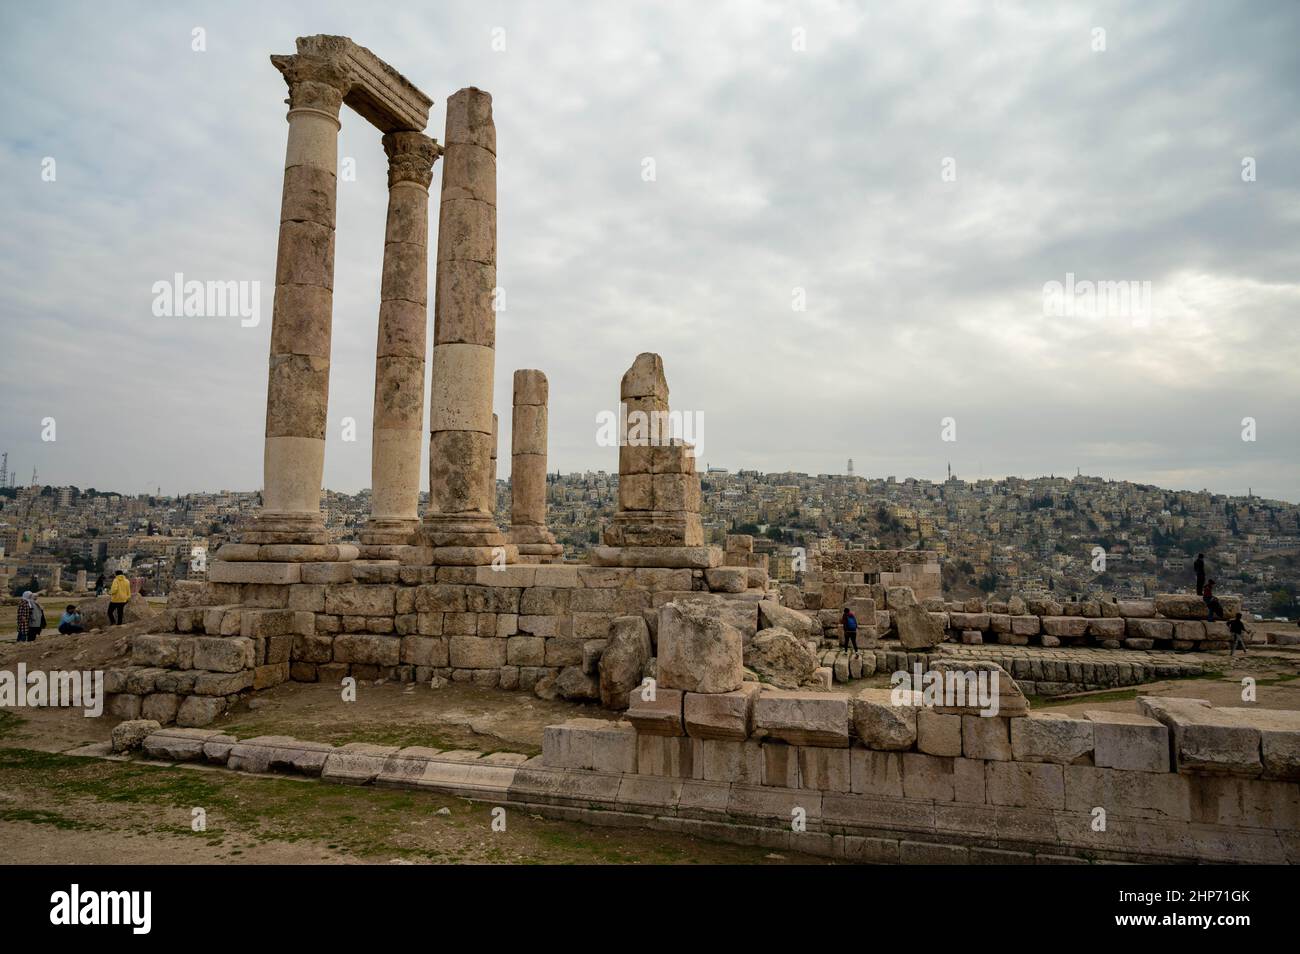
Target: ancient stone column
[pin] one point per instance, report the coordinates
(399, 361)
(458, 522)
(298, 382)
(528, 471)
(495, 443)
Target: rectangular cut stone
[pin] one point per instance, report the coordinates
(1129, 794)
(986, 737)
(661, 715)
(223, 572)
(802, 718)
(1069, 626)
(1279, 731)
(1126, 740)
(1024, 625)
(1206, 739)
(671, 756)
(728, 761)
(1026, 784)
(1051, 737)
(823, 768)
(780, 765)
(724, 715)
(938, 734)
(876, 773)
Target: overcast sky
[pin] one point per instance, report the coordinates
(802, 146)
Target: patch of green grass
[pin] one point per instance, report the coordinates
(35, 816)
(9, 723)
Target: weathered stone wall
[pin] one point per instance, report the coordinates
(876, 782)
(1172, 621)
(918, 569)
(513, 627)
(866, 781)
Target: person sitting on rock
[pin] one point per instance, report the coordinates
(71, 621)
(1238, 630)
(850, 624)
(1212, 604)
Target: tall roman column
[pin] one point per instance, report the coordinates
(399, 361)
(528, 471)
(458, 522)
(297, 394)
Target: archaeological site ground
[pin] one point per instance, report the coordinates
(458, 677)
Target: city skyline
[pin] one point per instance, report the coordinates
(954, 185)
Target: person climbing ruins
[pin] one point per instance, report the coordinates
(118, 596)
(1212, 604)
(1237, 627)
(850, 623)
(1199, 568)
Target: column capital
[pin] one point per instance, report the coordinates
(314, 82)
(411, 156)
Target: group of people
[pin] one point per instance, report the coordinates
(31, 617)
(1214, 608)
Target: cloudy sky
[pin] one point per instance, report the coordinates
(917, 174)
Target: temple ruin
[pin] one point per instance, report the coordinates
(731, 720)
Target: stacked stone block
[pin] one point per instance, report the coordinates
(536, 544)
(658, 517)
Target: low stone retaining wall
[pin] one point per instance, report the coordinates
(862, 780)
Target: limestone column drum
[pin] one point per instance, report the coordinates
(298, 380)
(399, 362)
(528, 471)
(458, 522)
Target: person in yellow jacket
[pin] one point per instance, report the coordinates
(118, 596)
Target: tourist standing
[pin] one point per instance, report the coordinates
(1212, 604)
(31, 618)
(99, 585)
(118, 596)
(1238, 630)
(850, 624)
(1199, 568)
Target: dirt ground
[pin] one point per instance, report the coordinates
(61, 808)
